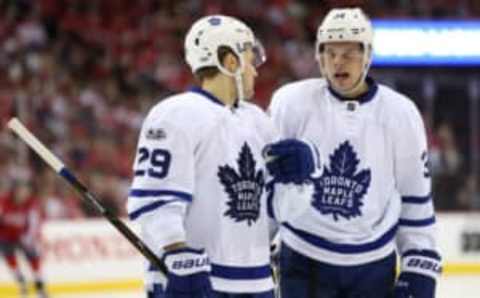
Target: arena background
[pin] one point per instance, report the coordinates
(82, 75)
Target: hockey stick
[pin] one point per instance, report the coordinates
(48, 157)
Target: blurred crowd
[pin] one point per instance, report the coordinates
(82, 74)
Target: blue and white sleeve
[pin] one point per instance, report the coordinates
(416, 232)
(287, 202)
(163, 183)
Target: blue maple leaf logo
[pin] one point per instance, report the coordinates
(244, 188)
(340, 190)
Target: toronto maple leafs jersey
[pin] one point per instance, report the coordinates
(199, 179)
(374, 190)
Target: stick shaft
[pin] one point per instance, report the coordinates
(57, 165)
(15, 125)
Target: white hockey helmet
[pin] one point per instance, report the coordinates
(210, 33)
(346, 25)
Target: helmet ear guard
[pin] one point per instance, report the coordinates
(257, 50)
(209, 34)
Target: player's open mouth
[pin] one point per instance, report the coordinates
(342, 76)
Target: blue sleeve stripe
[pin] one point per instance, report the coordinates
(417, 222)
(142, 193)
(230, 272)
(183, 250)
(344, 248)
(150, 207)
(416, 200)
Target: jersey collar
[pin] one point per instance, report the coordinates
(209, 96)
(364, 98)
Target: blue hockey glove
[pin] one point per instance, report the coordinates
(290, 160)
(156, 291)
(420, 269)
(188, 274)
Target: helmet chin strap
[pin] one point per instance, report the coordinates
(239, 85)
(237, 75)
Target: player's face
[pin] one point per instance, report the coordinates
(342, 63)
(249, 74)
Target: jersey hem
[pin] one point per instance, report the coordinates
(325, 256)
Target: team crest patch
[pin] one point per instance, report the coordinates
(244, 188)
(341, 188)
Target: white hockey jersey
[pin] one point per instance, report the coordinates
(199, 178)
(375, 187)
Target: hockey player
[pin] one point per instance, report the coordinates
(373, 197)
(199, 187)
(20, 222)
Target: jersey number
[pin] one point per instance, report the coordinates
(426, 164)
(159, 162)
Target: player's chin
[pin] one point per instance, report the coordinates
(342, 87)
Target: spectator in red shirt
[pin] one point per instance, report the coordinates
(20, 226)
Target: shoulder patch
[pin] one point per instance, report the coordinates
(156, 134)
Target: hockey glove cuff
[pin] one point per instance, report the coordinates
(188, 274)
(420, 270)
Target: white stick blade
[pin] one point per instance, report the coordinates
(23, 133)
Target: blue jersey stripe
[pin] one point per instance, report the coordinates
(344, 248)
(150, 207)
(229, 272)
(416, 200)
(417, 222)
(142, 193)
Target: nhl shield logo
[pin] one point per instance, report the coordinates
(244, 188)
(341, 188)
(156, 134)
